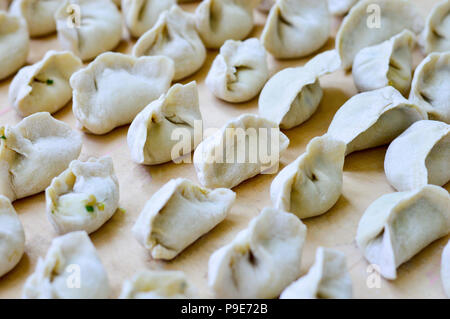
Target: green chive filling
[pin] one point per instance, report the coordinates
(89, 208)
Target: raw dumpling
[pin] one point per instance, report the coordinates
(387, 63)
(340, 7)
(373, 119)
(220, 161)
(296, 28)
(397, 226)
(70, 270)
(312, 184)
(83, 197)
(419, 156)
(371, 22)
(221, 20)
(14, 44)
(445, 269)
(152, 136)
(265, 5)
(33, 152)
(261, 260)
(44, 86)
(175, 37)
(98, 28)
(115, 87)
(436, 35)
(239, 72)
(292, 95)
(430, 87)
(141, 15)
(328, 278)
(39, 15)
(179, 214)
(12, 237)
(158, 285)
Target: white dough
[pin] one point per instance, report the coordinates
(340, 7)
(445, 269)
(436, 35)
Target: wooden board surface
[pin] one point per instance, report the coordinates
(364, 181)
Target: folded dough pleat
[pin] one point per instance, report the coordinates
(397, 226)
(33, 152)
(312, 184)
(340, 7)
(373, 119)
(178, 214)
(328, 278)
(261, 260)
(445, 269)
(408, 168)
(436, 35)
(296, 28)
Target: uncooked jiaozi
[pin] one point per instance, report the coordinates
(430, 87)
(292, 95)
(115, 87)
(340, 7)
(154, 284)
(44, 86)
(83, 197)
(141, 15)
(373, 119)
(14, 44)
(70, 270)
(328, 278)
(239, 72)
(386, 64)
(179, 214)
(175, 37)
(436, 35)
(220, 161)
(261, 260)
(312, 184)
(445, 269)
(88, 27)
(296, 28)
(155, 133)
(419, 156)
(397, 226)
(33, 152)
(221, 20)
(39, 15)
(371, 22)
(12, 242)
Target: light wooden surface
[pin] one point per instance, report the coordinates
(364, 181)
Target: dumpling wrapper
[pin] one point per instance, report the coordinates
(445, 269)
(221, 20)
(14, 44)
(397, 226)
(12, 242)
(174, 36)
(430, 87)
(420, 156)
(220, 161)
(265, 5)
(386, 64)
(296, 28)
(239, 72)
(141, 15)
(358, 32)
(99, 29)
(33, 152)
(179, 214)
(373, 119)
(312, 184)
(83, 197)
(340, 7)
(39, 15)
(436, 35)
(261, 260)
(44, 86)
(328, 278)
(153, 135)
(154, 284)
(293, 95)
(115, 87)
(69, 256)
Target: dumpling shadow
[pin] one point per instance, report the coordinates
(370, 160)
(15, 275)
